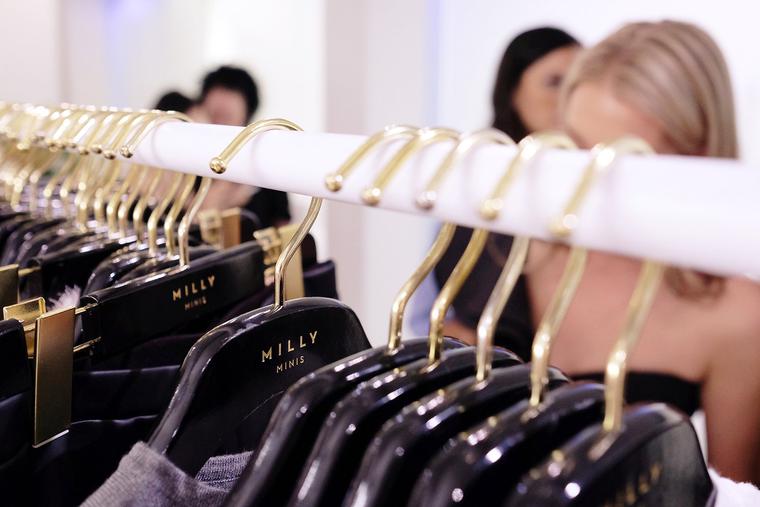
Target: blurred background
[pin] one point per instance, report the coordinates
(332, 65)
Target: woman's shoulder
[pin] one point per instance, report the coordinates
(737, 318)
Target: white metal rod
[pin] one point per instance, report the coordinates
(687, 211)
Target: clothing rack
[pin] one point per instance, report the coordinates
(692, 212)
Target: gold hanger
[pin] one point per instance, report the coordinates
(643, 295)
(475, 246)
(219, 165)
(113, 168)
(100, 174)
(528, 148)
(138, 214)
(70, 182)
(42, 119)
(130, 197)
(472, 252)
(158, 213)
(182, 198)
(427, 198)
(127, 151)
(70, 125)
(183, 231)
(88, 175)
(49, 155)
(334, 182)
(425, 137)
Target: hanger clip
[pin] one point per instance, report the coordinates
(9, 285)
(26, 312)
(221, 229)
(53, 370)
(272, 240)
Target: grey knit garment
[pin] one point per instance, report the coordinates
(145, 477)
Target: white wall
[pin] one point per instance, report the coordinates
(30, 38)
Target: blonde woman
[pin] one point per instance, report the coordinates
(667, 83)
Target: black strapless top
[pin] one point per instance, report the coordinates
(515, 327)
(649, 386)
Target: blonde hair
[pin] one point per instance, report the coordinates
(675, 73)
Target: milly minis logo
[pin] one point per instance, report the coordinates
(193, 293)
(285, 348)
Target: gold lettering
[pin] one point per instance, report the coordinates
(279, 368)
(266, 354)
(313, 336)
(290, 349)
(300, 342)
(203, 285)
(279, 349)
(192, 288)
(176, 294)
(211, 279)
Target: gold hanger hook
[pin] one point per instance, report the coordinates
(605, 155)
(527, 150)
(334, 180)
(648, 283)
(138, 213)
(472, 252)
(219, 165)
(420, 138)
(124, 127)
(113, 124)
(128, 150)
(159, 210)
(424, 137)
(617, 365)
(549, 326)
(180, 200)
(426, 200)
(183, 231)
(130, 197)
(434, 255)
(492, 206)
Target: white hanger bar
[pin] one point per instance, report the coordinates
(691, 212)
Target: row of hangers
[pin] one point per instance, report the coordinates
(423, 421)
(90, 207)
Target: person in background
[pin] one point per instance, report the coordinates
(177, 101)
(525, 100)
(229, 96)
(668, 84)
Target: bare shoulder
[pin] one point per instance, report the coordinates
(738, 319)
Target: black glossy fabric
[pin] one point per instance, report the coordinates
(515, 329)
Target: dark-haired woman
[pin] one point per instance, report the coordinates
(525, 100)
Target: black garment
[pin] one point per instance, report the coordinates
(651, 386)
(515, 327)
(514, 330)
(270, 206)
